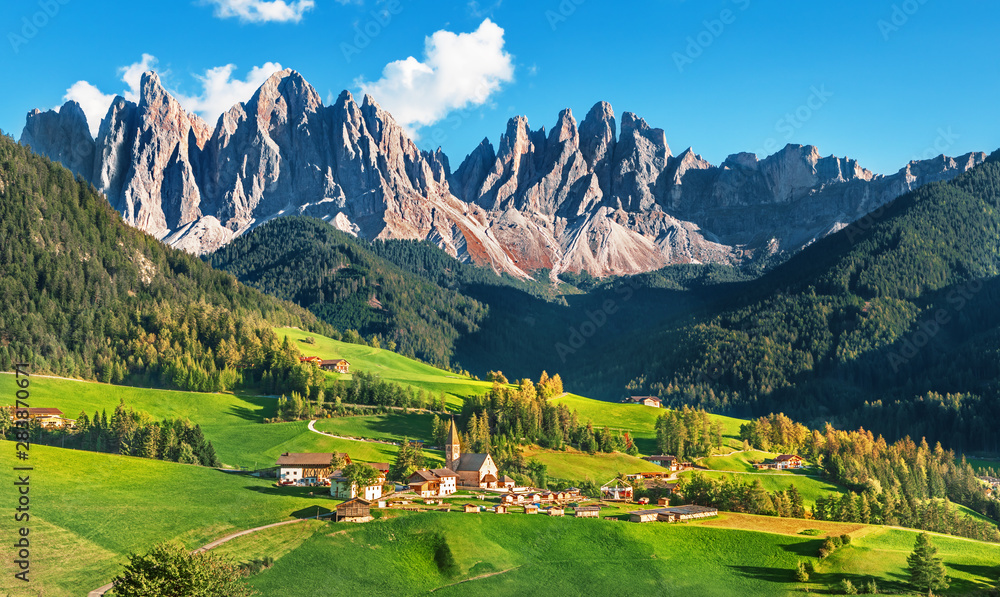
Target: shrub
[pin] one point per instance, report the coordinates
(837, 542)
(845, 539)
(800, 573)
(810, 532)
(871, 588)
(847, 587)
(823, 553)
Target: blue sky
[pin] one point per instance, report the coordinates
(883, 81)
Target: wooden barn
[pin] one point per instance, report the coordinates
(587, 512)
(471, 508)
(338, 365)
(555, 511)
(500, 509)
(356, 510)
(530, 509)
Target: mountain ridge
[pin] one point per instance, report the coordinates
(590, 196)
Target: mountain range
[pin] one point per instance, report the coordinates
(599, 196)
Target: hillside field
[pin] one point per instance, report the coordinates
(389, 365)
(488, 554)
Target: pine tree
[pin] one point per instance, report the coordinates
(801, 574)
(927, 571)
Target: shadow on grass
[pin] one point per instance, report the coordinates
(311, 512)
(776, 575)
(298, 492)
(805, 549)
(247, 414)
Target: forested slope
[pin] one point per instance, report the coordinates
(83, 294)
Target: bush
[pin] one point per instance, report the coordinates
(811, 532)
(871, 588)
(837, 542)
(823, 553)
(800, 573)
(845, 539)
(847, 587)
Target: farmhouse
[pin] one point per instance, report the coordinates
(616, 490)
(555, 511)
(49, 418)
(355, 510)
(311, 360)
(471, 508)
(647, 401)
(433, 482)
(341, 487)
(338, 365)
(307, 467)
(587, 512)
(473, 470)
(786, 461)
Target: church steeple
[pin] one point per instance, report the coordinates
(452, 449)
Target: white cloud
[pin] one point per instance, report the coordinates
(95, 103)
(221, 92)
(458, 70)
(132, 75)
(263, 11)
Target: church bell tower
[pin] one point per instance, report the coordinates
(452, 449)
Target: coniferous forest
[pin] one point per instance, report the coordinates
(82, 294)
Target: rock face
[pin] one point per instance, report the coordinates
(580, 197)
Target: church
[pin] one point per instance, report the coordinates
(473, 470)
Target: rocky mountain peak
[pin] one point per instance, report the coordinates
(590, 195)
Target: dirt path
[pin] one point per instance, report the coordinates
(353, 439)
(480, 577)
(102, 590)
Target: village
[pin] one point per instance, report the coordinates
(471, 483)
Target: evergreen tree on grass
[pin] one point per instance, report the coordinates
(927, 571)
(168, 569)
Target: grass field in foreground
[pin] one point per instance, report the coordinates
(390, 366)
(488, 554)
(89, 510)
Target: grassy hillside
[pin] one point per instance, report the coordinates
(389, 365)
(233, 423)
(90, 510)
(580, 466)
(392, 427)
(486, 554)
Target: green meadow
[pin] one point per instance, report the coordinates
(392, 427)
(89, 510)
(389, 365)
(513, 554)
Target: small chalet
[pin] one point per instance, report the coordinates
(311, 360)
(338, 365)
(555, 511)
(616, 490)
(572, 492)
(512, 498)
(587, 512)
(671, 463)
(500, 509)
(507, 482)
(355, 510)
(533, 497)
(787, 461)
(647, 401)
(471, 508)
(308, 467)
(530, 509)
